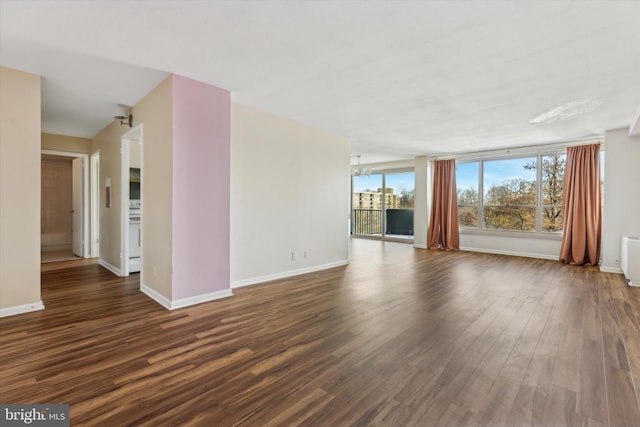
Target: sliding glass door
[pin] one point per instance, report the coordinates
(399, 197)
(366, 214)
(382, 205)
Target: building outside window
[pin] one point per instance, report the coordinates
(382, 205)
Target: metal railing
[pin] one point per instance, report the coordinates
(366, 222)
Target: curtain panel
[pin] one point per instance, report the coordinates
(443, 225)
(582, 217)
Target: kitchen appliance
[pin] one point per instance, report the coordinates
(135, 236)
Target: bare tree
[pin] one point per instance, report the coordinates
(406, 199)
(553, 168)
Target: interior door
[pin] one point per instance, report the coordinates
(76, 209)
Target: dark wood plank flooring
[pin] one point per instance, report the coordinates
(400, 337)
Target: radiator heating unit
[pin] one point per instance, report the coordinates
(630, 259)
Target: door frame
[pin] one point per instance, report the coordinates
(135, 133)
(85, 194)
(382, 236)
(95, 204)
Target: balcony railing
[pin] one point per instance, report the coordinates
(368, 222)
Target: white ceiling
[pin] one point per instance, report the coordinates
(398, 79)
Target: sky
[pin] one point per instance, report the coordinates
(495, 172)
(397, 181)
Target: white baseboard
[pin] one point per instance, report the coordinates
(156, 296)
(605, 269)
(511, 253)
(199, 299)
(184, 302)
(285, 274)
(112, 268)
(20, 309)
(419, 246)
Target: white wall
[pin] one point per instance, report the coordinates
(535, 247)
(420, 213)
(621, 214)
(289, 194)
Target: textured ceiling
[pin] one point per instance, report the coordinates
(398, 79)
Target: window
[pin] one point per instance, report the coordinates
(382, 205)
(513, 194)
(509, 197)
(399, 202)
(552, 188)
(467, 182)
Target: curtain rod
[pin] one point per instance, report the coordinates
(507, 151)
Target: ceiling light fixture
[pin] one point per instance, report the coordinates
(124, 113)
(567, 111)
(360, 171)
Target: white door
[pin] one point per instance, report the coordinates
(76, 209)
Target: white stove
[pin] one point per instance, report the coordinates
(135, 236)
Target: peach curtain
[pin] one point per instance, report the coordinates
(582, 216)
(443, 226)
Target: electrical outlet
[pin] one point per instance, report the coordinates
(293, 256)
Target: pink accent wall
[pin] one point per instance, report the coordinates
(201, 188)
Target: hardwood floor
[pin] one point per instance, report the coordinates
(55, 256)
(64, 264)
(400, 337)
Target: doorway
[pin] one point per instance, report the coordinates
(132, 202)
(64, 219)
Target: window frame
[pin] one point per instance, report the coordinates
(538, 232)
(540, 205)
(383, 172)
(479, 210)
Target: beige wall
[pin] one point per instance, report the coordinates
(70, 144)
(135, 154)
(19, 189)
(65, 143)
(56, 223)
(107, 141)
(154, 111)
